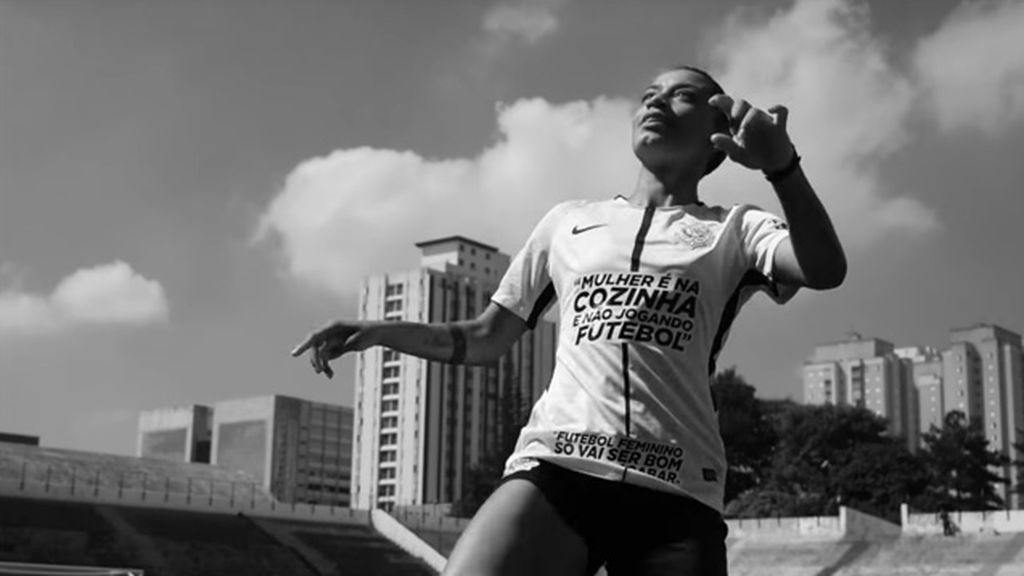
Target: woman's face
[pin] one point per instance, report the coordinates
(674, 122)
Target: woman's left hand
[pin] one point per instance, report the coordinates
(757, 139)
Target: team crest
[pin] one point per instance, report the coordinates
(695, 234)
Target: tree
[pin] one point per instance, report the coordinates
(878, 477)
(769, 502)
(1018, 462)
(747, 434)
(962, 467)
(827, 456)
(816, 441)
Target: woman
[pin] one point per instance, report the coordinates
(621, 463)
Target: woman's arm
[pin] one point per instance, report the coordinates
(812, 256)
(479, 341)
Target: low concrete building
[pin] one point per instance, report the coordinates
(178, 434)
(300, 451)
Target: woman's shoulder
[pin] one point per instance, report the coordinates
(568, 206)
(737, 212)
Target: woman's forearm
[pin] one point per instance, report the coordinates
(450, 342)
(815, 243)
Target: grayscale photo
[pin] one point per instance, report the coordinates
(511, 288)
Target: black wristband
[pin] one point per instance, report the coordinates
(458, 345)
(788, 169)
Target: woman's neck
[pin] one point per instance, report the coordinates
(665, 188)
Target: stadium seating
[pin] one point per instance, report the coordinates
(161, 542)
(58, 533)
(166, 542)
(353, 545)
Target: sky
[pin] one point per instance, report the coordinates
(188, 188)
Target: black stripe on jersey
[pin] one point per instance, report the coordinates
(634, 265)
(543, 301)
(625, 379)
(751, 278)
(641, 236)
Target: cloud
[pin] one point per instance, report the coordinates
(849, 110)
(359, 211)
(22, 313)
(529, 20)
(107, 294)
(971, 69)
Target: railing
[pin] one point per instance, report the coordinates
(241, 500)
(75, 480)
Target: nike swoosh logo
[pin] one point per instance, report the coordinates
(578, 230)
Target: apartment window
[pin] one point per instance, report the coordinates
(487, 255)
(386, 490)
(389, 389)
(386, 473)
(392, 306)
(389, 406)
(390, 372)
(472, 251)
(390, 355)
(388, 439)
(472, 265)
(394, 290)
(388, 456)
(389, 422)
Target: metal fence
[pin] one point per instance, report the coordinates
(75, 480)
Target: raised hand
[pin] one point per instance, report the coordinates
(330, 342)
(757, 139)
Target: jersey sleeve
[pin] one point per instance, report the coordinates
(527, 289)
(762, 233)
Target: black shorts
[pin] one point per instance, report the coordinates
(633, 530)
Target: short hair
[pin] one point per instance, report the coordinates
(722, 121)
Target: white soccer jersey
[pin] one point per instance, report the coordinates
(646, 297)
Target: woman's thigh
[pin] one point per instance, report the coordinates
(517, 532)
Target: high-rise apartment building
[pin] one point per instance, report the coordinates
(862, 372)
(421, 425)
(924, 372)
(981, 374)
(983, 379)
